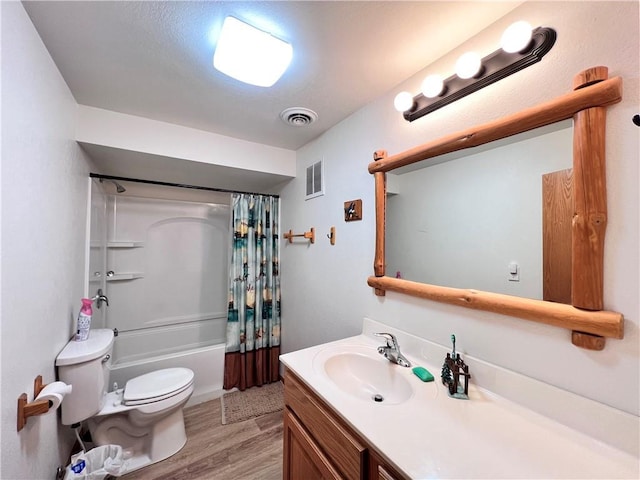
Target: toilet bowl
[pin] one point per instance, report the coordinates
(145, 417)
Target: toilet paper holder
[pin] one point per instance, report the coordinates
(37, 407)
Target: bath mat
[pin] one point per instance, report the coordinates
(253, 402)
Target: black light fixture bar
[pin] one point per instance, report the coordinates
(495, 66)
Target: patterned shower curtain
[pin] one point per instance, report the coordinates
(253, 321)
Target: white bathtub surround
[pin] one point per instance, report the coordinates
(168, 291)
(495, 434)
(169, 262)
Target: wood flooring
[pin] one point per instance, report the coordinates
(249, 450)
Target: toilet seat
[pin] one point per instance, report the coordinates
(157, 386)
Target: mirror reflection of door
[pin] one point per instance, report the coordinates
(557, 213)
(97, 250)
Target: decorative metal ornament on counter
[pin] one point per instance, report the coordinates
(452, 369)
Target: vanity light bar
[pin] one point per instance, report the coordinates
(493, 67)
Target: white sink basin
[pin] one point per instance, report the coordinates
(363, 373)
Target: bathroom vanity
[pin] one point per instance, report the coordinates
(318, 443)
(335, 426)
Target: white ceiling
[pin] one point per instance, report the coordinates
(155, 58)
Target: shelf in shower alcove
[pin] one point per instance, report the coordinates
(125, 244)
(124, 276)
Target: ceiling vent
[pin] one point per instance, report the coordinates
(298, 116)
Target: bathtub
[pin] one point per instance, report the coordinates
(142, 351)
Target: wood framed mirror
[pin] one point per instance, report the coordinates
(592, 92)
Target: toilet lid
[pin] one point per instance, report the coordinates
(157, 385)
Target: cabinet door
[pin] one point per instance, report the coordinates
(383, 474)
(346, 451)
(303, 459)
(380, 470)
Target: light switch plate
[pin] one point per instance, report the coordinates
(514, 272)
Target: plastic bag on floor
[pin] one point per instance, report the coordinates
(96, 464)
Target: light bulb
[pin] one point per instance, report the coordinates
(432, 86)
(403, 101)
(516, 37)
(468, 65)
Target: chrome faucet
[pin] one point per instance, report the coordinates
(99, 298)
(391, 350)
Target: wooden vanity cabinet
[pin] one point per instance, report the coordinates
(380, 470)
(318, 444)
(303, 459)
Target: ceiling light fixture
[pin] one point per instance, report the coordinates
(521, 47)
(250, 55)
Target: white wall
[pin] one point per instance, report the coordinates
(325, 295)
(44, 197)
(129, 132)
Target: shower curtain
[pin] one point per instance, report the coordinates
(253, 321)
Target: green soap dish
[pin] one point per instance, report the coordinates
(423, 374)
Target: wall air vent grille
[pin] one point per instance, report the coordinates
(315, 180)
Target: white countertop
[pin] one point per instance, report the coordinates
(431, 435)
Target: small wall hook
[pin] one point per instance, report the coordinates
(332, 236)
(636, 119)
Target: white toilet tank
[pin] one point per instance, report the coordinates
(85, 366)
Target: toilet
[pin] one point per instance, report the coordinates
(145, 417)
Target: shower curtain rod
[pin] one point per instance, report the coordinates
(180, 185)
